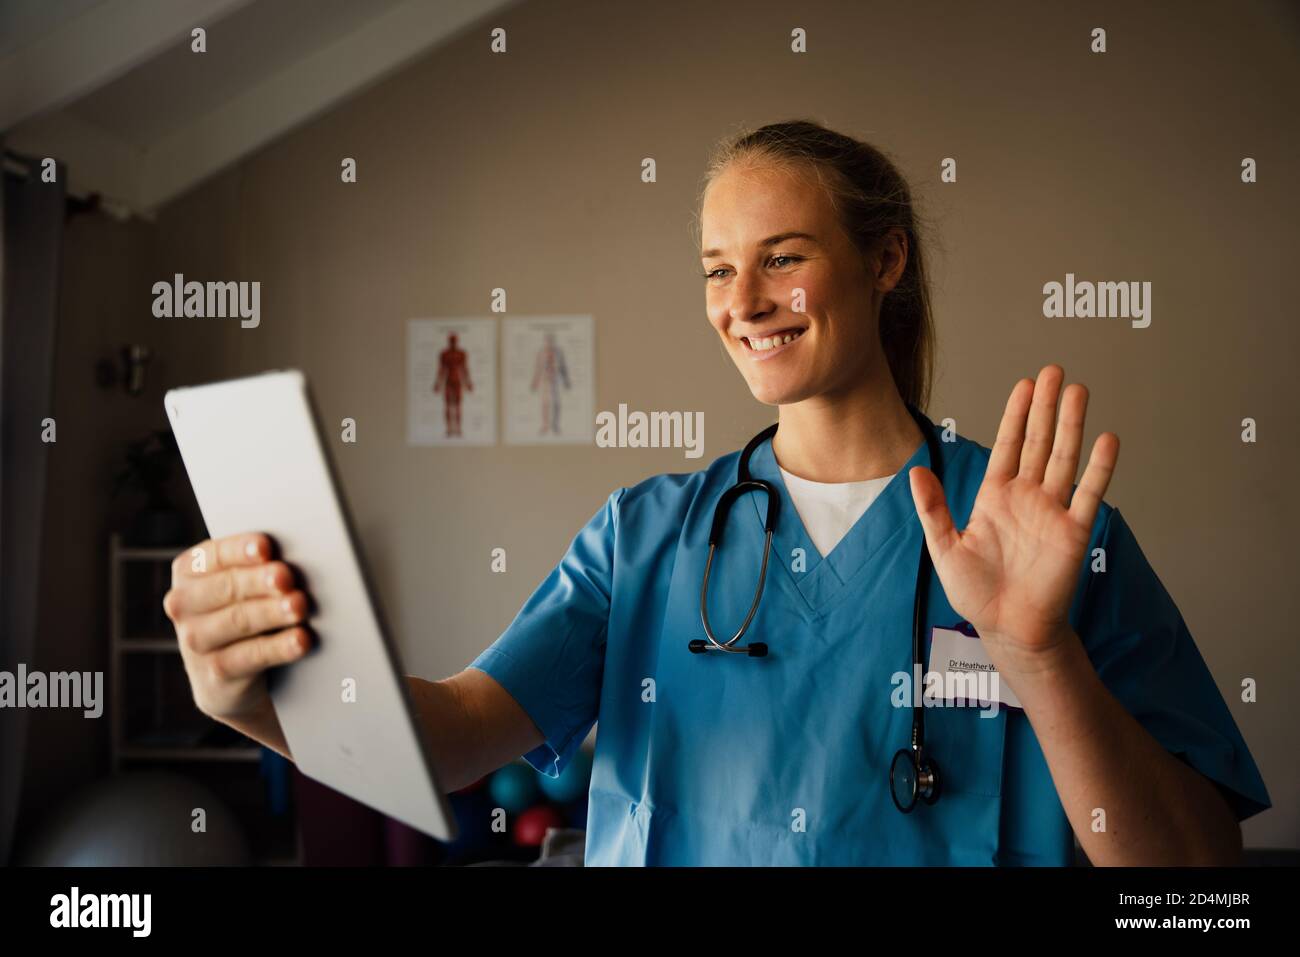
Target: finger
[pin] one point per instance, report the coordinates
(1096, 479)
(1005, 460)
(252, 656)
(1064, 463)
(211, 556)
(932, 509)
(205, 593)
(1042, 423)
(242, 619)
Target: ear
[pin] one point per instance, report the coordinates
(890, 259)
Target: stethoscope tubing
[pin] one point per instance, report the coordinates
(924, 777)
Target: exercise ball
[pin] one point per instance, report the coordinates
(572, 782)
(531, 827)
(138, 819)
(514, 787)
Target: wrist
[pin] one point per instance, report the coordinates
(1061, 666)
(262, 726)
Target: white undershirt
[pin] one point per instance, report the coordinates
(829, 509)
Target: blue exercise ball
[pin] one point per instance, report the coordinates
(572, 782)
(514, 787)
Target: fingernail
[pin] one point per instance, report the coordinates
(270, 579)
(251, 549)
(287, 605)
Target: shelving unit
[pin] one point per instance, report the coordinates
(163, 727)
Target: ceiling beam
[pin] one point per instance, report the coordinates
(95, 48)
(301, 91)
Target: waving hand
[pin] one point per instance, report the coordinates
(1012, 570)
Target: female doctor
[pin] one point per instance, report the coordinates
(809, 754)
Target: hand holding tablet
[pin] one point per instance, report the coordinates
(263, 479)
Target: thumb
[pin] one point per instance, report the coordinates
(932, 510)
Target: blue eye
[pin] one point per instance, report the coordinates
(713, 273)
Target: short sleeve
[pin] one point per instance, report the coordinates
(551, 659)
(1138, 642)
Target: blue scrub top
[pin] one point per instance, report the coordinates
(728, 760)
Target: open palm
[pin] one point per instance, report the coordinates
(1012, 571)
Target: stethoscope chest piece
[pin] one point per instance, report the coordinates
(913, 776)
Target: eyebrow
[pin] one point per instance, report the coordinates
(770, 241)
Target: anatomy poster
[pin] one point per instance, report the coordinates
(548, 366)
(451, 382)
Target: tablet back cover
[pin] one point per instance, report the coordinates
(255, 459)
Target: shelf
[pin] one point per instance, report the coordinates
(153, 716)
(149, 646)
(168, 554)
(138, 753)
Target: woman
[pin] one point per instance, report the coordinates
(816, 287)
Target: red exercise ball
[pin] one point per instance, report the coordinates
(530, 827)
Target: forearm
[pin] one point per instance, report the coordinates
(1158, 811)
(470, 735)
(453, 735)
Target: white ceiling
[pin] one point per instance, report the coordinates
(112, 89)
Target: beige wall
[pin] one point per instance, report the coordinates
(522, 171)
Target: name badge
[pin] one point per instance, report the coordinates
(966, 669)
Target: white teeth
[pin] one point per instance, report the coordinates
(763, 345)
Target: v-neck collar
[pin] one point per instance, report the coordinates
(826, 577)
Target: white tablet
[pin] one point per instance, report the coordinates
(259, 461)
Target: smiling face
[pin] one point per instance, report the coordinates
(764, 234)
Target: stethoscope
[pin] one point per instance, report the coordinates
(913, 775)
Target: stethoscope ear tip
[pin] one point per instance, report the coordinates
(757, 650)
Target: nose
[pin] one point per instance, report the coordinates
(749, 301)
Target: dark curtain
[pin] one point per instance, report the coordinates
(31, 214)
